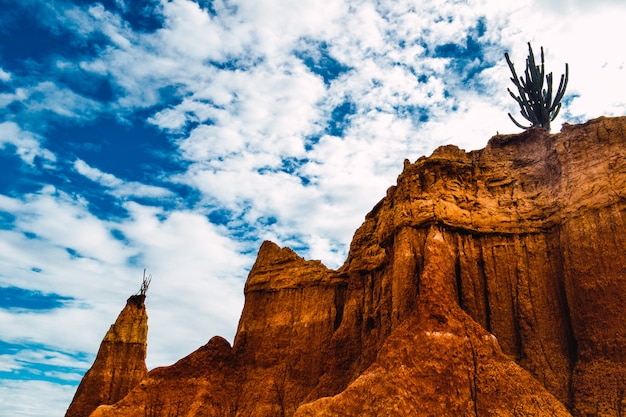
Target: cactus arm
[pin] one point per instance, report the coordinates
(518, 124)
(562, 86)
(543, 70)
(556, 112)
(524, 106)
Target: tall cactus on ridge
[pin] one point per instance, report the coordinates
(536, 104)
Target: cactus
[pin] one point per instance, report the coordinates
(536, 104)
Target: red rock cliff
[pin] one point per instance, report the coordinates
(485, 283)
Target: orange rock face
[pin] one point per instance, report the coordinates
(439, 361)
(120, 364)
(485, 283)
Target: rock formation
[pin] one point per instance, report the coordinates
(485, 283)
(120, 364)
(439, 361)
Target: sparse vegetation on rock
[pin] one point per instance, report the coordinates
(145, 283)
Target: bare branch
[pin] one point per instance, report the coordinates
(145, 283)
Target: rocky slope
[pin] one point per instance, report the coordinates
(485, 283)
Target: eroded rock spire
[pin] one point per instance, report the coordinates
(120, 363)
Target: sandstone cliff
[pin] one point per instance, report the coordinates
(120, 364)
(485, 283)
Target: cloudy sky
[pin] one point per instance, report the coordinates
(178, 135)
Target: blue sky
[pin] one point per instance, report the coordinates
(178, 135)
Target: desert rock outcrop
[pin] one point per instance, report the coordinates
(490, 282)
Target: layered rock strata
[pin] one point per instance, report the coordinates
(485, 283)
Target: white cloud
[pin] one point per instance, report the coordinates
(5, 76)
(569, 7)
(112, 26)
(96, 175)
(7, 98)
(64, 221)
(34, 398)
(42, 328)
(94, 271)
(27, 145)
(47, 96)
(118, 187)
(185, 24)
(37, 357)
(9, 363)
